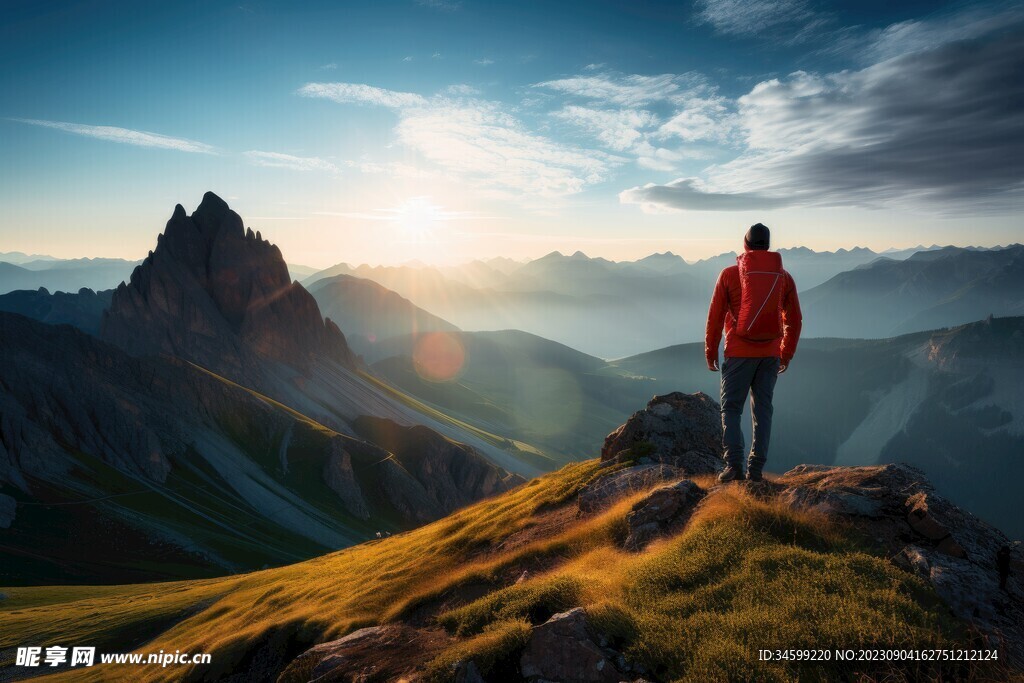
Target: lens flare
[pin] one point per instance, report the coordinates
(439, 356)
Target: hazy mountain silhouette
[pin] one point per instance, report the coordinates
(372, 314)
(83, 309)
(602, 307)
(64, 275)
(931, 289)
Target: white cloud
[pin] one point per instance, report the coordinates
(483, 62)
(362, 94)
(126, 136)
(479, 142)
(294, 163)
(615, 116)
(329, 67)
(624, 90)
(461, 90)
(492, 149)
(618, 130)
(700, 118)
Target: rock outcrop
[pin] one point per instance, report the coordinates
(683, 430)
(896, 507)
(220, 296)
(375, 653)
(661, 512)
(604, 490)
(566, 649)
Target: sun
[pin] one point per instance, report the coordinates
(416, 219)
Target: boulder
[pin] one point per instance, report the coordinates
(603, 491)
(678, 429)
(565, 649)
(662, 511)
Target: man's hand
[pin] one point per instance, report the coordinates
(783, 367)
(713, 364)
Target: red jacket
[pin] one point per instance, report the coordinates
(725, 304)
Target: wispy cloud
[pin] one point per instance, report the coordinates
(480, 142)
(915, 35)
(362, 94)
(616, 115)
(294, 163)
(790, 21)
(936, 129)
(617, 129)
(483, 62)
(126, 136)
(461, 90)
(329, 67)
(630, 90)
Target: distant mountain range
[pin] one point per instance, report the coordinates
(931, 289)
(615, 309)
(64, 275)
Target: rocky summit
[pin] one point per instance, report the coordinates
(677, 429)
(220, 296)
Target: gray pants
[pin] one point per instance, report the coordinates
(742, 376)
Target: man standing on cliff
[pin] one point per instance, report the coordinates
(756, 302)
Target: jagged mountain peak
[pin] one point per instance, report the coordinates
(220, 296)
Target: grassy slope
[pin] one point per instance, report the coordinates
(744, 574)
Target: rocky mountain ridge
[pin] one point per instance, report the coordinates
(218, 295)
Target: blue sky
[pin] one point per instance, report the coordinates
(444, 130)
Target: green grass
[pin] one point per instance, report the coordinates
(745, 574)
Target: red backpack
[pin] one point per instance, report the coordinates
(761, 286)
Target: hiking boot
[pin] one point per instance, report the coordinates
(730, 473)
(754, 474)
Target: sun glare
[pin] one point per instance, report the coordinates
(417, 219)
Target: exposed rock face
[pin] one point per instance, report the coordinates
(219, 296)
(450, 474)
(340, 477)
(565, 649)
(376, 653)
(605, 490)
(661, 512)
(679, 429)
(924, 533)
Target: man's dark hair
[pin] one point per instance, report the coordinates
(759, 237)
